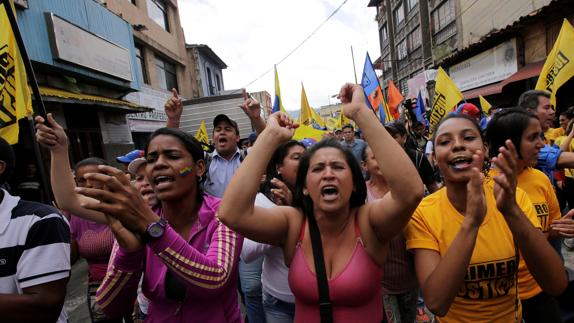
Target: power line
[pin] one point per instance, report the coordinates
(300, 44)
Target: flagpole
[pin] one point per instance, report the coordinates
(41, 109)
(354, 69)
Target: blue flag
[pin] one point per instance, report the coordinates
(373, 91)
(421, 111)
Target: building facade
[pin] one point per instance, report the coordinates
(491, 48)
(84, 59)
(405, 40)
(207, 71)
(162, 61)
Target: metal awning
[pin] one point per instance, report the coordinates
(57, 95)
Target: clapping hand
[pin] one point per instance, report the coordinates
(475, 197)
(505, 180)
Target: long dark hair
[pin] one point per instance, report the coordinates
(359, 193)
(506, 124)
(190, 144)
(276, 160)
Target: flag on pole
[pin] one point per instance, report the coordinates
(395, 98)
(373, 92)
(308, 115)
(277, 104)
(446, 96)
(484, 105)
(15, 98)
(201, 134)
(559, 65)
(421, 111)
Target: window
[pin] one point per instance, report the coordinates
(157, 11)
(399, 15)
(166, 74)
(411, 4)
(414, 39)
(384, 33)
(387, 64)
(140, 60)
(402, 50)
(210, 87)
(443, 15)
(218, 81)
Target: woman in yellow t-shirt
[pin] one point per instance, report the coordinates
(462, 235)
(523, 129)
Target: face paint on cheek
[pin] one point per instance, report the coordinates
(184, 172)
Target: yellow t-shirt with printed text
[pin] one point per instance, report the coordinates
(568, 172)
(541, 192)
(488, 292)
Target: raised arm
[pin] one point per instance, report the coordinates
(237, 208)
(173, 108)
(54, 138)
(389, 215)
(252, 109)
(541, 259)
(440, 276)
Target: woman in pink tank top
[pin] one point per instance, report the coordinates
(330, 191)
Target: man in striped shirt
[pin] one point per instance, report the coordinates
(34, 255)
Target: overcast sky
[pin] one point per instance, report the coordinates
(250, 36)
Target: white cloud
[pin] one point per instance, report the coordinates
(250, 36)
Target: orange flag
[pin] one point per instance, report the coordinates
(394, 98)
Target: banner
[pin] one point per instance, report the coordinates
(304, 131)
(559, 65)
(421, 110)
(446, 97)
(15, 99)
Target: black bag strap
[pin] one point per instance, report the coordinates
(325, 306)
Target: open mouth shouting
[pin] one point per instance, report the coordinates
(161, 181)
(461, 163)
(329, 192)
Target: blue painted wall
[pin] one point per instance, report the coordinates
(86, 14)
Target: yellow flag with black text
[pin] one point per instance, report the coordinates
(15, 99)
(201, 134)
(446, 96)
(559, 65)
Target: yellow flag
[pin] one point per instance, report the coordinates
(484, 104)
(308, 115)
(342, 120)
(446, 96)
(331, 123)
(201, 134)
(559, 65)
(15, 99)
(308, 132)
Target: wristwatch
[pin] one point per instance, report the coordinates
(154, 230)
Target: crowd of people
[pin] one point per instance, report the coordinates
(464, 226)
